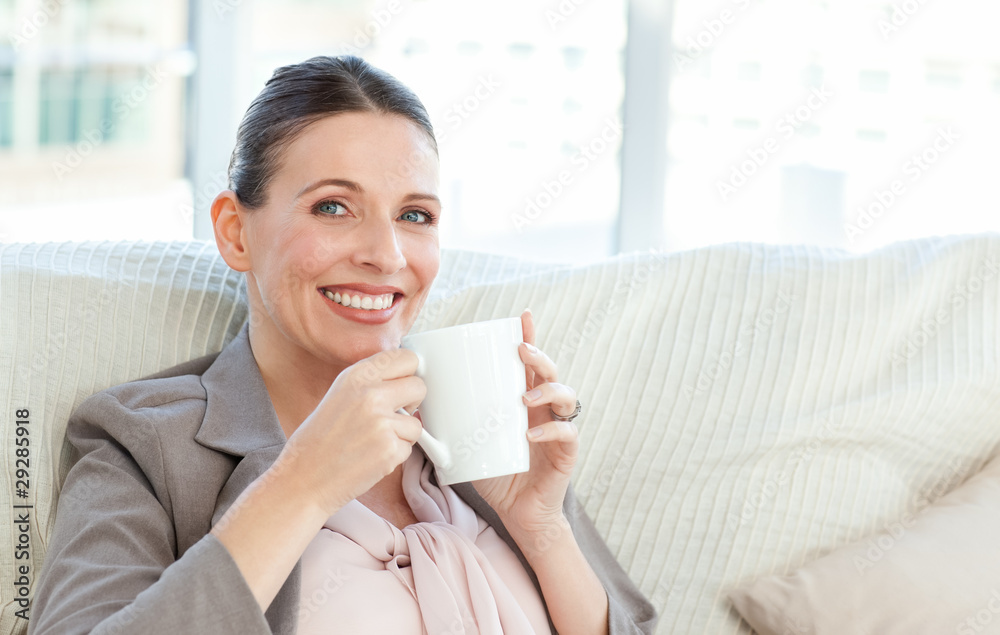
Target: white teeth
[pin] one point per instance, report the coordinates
(370, 303)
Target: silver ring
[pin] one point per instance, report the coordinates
(569, 417)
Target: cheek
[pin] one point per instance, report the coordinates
(299, 262)
(310, 256)
(312, 259)
(426, 261)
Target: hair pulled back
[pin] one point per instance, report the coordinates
(300, 94)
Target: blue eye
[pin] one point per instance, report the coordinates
(330, 208)
(414, 216)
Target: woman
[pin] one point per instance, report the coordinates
(275, 487)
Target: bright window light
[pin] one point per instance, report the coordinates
(847, 124)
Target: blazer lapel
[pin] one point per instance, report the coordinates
(239, 417)
(240, 421)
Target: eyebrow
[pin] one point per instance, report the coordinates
(356, 188)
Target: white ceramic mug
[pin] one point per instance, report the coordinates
(474, 418)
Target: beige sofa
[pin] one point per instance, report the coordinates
(748, 409)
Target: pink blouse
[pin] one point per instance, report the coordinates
(448, 574)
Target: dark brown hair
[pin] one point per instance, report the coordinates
(300, 94)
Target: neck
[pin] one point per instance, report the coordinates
(296, 381)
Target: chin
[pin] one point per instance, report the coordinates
(367, 347)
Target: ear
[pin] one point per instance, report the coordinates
(229, 223)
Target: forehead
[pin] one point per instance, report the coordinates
(375, 150)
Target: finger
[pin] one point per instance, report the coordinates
(415, 413)
(564, 431)
(561, 399)
(407, 428)
(528, 335)
(528, 326)
(540, 363)
(404, 392)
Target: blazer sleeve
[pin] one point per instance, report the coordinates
(629, 612)
(112, 564)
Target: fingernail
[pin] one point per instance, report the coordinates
(533, 394)
(535, 432)
(531, 348)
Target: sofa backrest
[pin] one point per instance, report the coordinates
(746, 407)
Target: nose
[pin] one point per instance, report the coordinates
(378, 247)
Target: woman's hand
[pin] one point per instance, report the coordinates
(355, 436)
(530, 503)
(351, 440)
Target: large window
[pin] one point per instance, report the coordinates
(849, 124)
(91, 120)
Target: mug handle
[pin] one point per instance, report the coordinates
(437, 452)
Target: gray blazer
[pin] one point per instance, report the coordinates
(158, 461)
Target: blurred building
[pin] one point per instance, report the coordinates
(91, 111)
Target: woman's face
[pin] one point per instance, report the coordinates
(353, 213)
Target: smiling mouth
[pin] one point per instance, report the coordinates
(363, 301)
